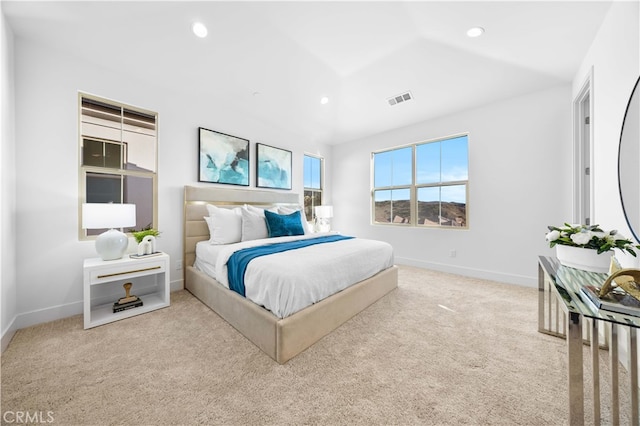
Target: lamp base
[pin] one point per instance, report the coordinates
(112, 244)
(323, 225)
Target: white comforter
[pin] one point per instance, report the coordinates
(287, 282)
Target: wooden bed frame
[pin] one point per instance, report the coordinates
(280, 338)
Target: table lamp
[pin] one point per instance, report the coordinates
(323, 216)
(111, 244)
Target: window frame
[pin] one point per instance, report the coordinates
(122, 172)
(414, 187)
(315, 190)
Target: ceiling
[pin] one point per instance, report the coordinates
(275, 60)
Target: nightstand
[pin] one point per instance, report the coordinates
(104, 280)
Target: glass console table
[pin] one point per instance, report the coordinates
(561, 309)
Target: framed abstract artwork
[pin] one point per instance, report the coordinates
(273, 167)
(222, 158)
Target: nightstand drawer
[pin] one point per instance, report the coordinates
(127, 271)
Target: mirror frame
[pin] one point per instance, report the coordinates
(635, 92)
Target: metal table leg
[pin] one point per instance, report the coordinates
(633, 369)
(574, 349)
(613, 358)
(541, 286)
(595, 368)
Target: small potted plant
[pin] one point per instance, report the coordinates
(587, 247)
(139, 235)
(146, 239)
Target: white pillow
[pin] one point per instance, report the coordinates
(254, 225)
(303, 218)
(225, 225)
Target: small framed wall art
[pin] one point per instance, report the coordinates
(222, 158)
(273, 167)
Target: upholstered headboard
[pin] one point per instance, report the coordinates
(196, 198)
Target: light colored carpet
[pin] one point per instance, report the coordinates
(404, 360)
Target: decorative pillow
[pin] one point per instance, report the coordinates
(254, 226)
(303, 219)
(225, 225)
(281, 225)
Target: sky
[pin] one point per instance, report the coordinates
(436, 162)
(312, 172)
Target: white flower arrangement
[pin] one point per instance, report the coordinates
(590, 237)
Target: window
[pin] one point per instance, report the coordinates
(118, 158)
(313, 177)
(424, 184)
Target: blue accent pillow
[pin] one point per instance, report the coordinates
(283, 225)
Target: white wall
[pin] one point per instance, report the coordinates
(614, 57)
(49, 255)
(7, 186)
(519, 182)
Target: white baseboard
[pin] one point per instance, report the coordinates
(471, 272)
(39, 316)
(8, 334)
(176, 285)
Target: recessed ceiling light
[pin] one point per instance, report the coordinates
(199, 29)
(475, 31)
(324, 100)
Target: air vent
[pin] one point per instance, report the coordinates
(394, 100)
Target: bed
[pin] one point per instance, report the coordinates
(280, 338)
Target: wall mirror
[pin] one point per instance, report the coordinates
(629, 163)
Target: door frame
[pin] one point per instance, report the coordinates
(583, 138)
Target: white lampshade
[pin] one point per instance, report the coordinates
(107, 215)
(112, 244)
(324, 212)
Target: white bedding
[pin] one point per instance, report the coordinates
(287, 282)
(206, 255)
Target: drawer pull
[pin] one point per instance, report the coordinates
(129, 272)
